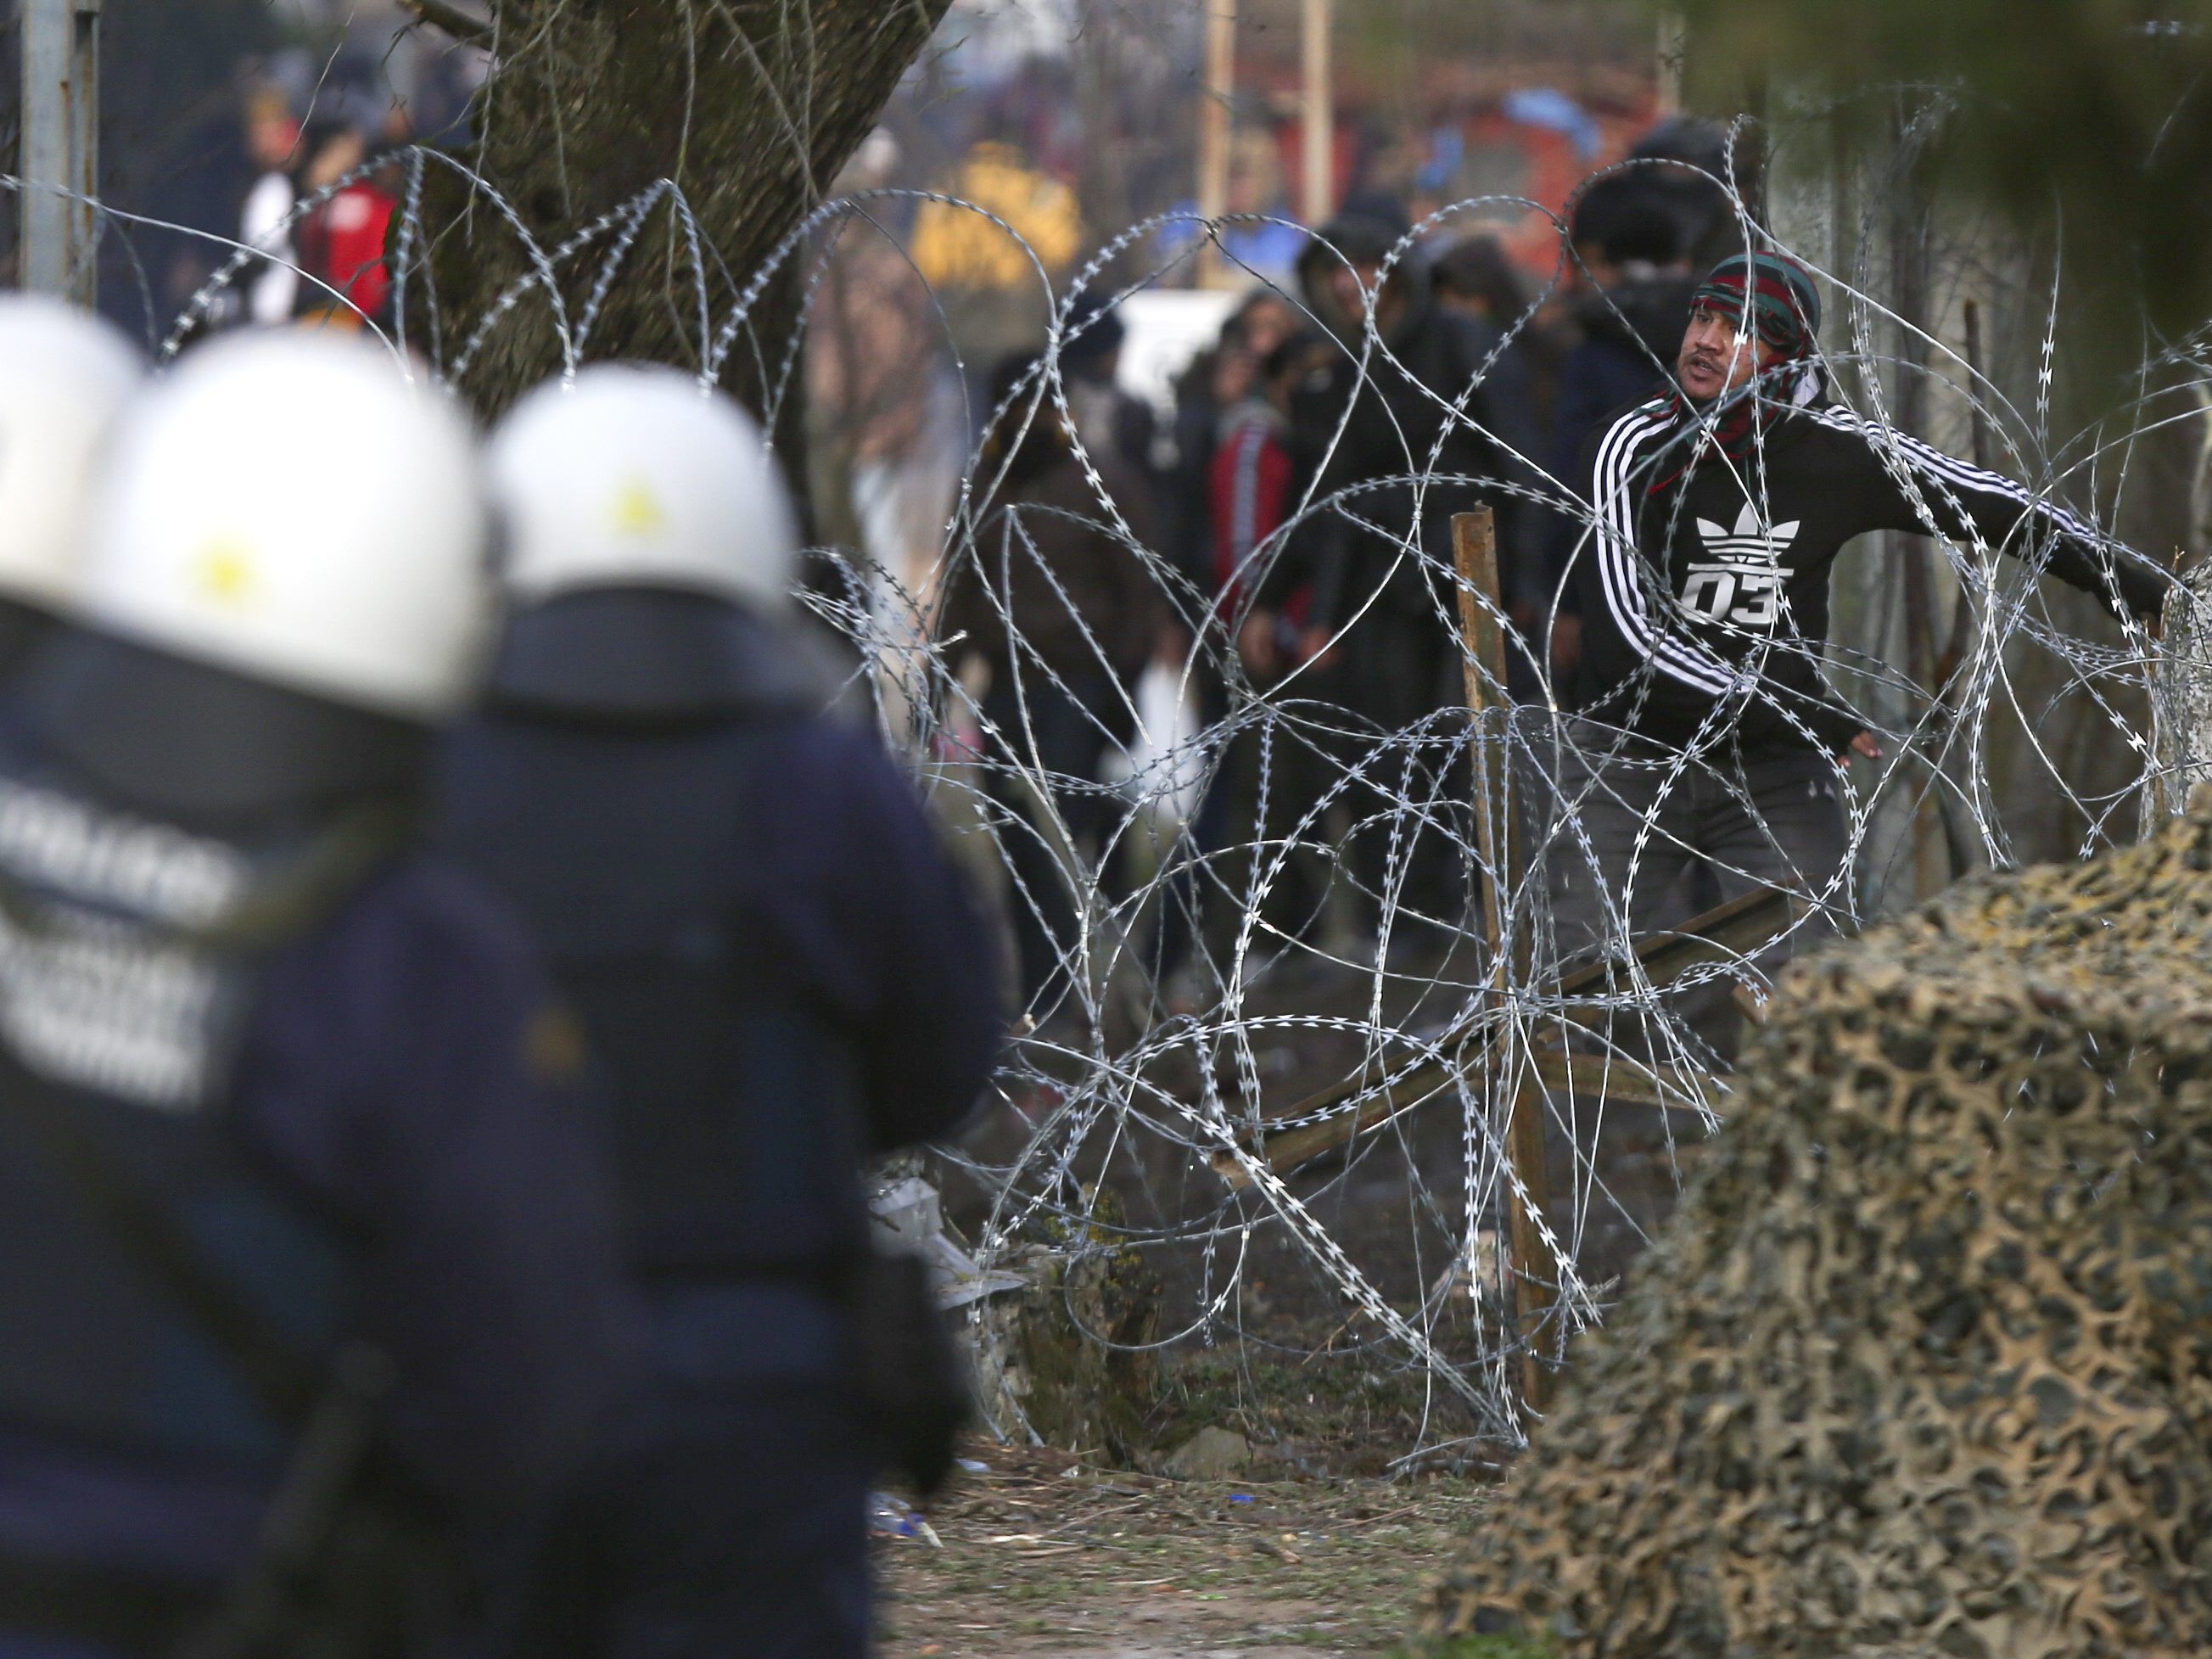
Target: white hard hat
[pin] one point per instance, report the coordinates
(288, 506)
(633, 477)
(65, 377)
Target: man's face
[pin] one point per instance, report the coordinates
(1349, 285)
(1267, 323)
(345, 151)
(1590, 267)
(271, 139)
(1716, 359)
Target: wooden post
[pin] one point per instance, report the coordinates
(1214, 132)
(1674, 46)
(1912, 286)
(1482, 641)
(1318, 138)
(1727, 933)
(1961, 635)
(1961, 835)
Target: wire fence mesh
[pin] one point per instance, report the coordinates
(1297, 928)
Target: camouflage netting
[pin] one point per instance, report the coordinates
(1923, 1366)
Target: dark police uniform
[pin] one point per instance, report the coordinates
(313, 1053)
(778, 970)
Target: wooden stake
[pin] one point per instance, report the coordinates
(1317, 136)
(1214, 132)
(1482, 641)
(1674, 46)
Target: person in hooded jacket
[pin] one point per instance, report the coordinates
(1058, 611)
(1111, 419)
(1708, 736)
(1475, 277)
(306, 1250)
(777, 969)
(1252, 481)
(1207, 392)
(1631, 318)
(1387, 461)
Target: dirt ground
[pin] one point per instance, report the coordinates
(1043, 1557)
(1313, 1550)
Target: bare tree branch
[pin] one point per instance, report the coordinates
(442, 13)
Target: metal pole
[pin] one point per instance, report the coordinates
(60, 146)
(1319, 123)
(1214, 130)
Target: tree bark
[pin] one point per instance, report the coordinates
(749, 107)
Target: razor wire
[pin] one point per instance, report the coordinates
(1138, 1101)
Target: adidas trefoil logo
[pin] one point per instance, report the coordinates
(1741, 583)
(1748, 542)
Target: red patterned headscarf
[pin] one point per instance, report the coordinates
(1777, 294)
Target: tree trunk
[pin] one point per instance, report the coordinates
(749, 107)
(2168, 509)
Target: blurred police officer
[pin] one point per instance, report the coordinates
(773, 962)
(65, 377)
(308, 1294)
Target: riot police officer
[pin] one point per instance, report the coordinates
(775, 964)
(308, 1292)
(65, 376)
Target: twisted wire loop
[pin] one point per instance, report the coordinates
(1312, 988)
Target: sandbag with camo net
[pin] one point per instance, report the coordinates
(1924, 1365)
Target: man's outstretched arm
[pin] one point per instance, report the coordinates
(1967, 503)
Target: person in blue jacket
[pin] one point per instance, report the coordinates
(777, 969)
(290, 1135)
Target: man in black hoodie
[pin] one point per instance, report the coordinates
(1707, 734)
(1396, 431)
(1630, 320)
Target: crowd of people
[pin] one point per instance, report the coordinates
(445, 1008)
(446, 1000)
(319, 213)
(1671, 476)
(1299, 499)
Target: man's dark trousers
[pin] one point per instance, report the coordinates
(1655, 823)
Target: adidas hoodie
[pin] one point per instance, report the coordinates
(1705, 592)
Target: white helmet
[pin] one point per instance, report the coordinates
(288, 506)
(634, 477)
(65, 377)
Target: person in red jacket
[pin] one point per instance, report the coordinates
(342, 240)
(1252, 488)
